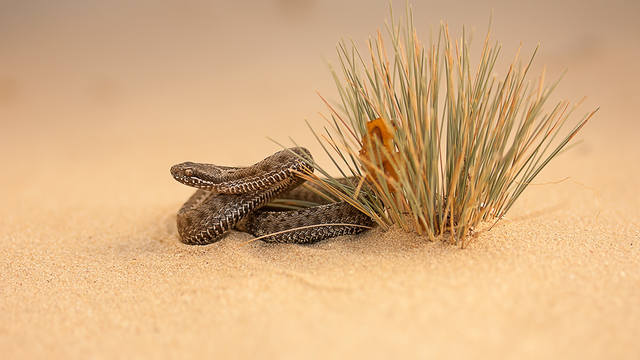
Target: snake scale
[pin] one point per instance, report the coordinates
(235, 198)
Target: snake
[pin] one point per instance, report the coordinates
(239, 198)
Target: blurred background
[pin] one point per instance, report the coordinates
(97, 88)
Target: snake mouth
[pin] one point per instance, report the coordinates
(194, 182)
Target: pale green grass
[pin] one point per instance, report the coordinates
(468, 143)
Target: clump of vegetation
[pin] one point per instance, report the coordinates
(435, 145)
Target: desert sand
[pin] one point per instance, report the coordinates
(98, 101)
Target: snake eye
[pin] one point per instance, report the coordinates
(188, 172)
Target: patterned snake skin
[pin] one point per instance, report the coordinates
(233, 197)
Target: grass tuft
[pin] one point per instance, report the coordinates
(434, 145)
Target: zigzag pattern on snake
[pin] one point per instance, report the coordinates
(235, 197)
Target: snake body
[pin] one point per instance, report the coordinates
(235, 197)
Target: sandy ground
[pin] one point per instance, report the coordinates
(90, 262)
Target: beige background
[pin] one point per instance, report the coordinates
(99, 98)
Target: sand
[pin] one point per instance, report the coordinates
(91, 265)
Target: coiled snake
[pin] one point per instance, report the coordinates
(234, 197)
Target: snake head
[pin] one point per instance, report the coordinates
(202, 176)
